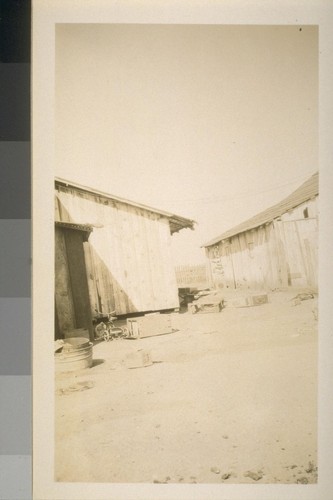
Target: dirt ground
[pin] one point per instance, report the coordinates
(230, 397)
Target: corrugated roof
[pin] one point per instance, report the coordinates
(176, 221)
(309, 189)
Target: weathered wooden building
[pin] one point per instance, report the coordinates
(276, 248)
(110, 254)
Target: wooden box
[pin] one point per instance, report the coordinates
(208, 304)
(149, 325)
(251, 300)
(138, 359)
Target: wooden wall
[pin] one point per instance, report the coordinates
(128, 259)
(278, 254)
(72, 304)
(63, 295)
(300, 237)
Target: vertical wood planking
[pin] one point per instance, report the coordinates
(132, 268)
(169, 270)
(121, 276)
(150, 262)
(114, 260)
(236, 260)
(78, 278)
(280, 252)
(139, 260)
(165, 296)
(260, 257)
(90, 275)
(155, 268)
(303, 262)
(108, 254)
(63, 296)
(274, 257)
(130, 258)
(147, 291)
(248, 270)
(159, 259)
(311, 264)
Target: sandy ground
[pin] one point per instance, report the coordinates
(230, 397)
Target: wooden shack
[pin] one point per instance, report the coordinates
(110, 254)
(276, 248)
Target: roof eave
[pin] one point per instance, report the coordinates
(314, 192)
(176, 222)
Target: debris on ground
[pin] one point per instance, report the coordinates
(226, 476)
(216, 470)
(302, 480)
(304, 296)
(256, 476)
(78, 387)
(311, 468)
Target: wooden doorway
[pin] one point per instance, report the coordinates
(73, 309)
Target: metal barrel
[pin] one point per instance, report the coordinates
(75, 355)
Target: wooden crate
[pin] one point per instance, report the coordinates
(208, 304)
(149, 325)
(251, 300)
(138, 359)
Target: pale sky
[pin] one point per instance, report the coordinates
(211, 122)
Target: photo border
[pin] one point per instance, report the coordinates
(232, 12)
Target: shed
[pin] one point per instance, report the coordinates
(110, 254)
(276, 248)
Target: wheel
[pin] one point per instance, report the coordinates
(116, 332)
(125, 332)
(99, 330)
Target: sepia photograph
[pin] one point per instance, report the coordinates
(186, 253)
(182, 251)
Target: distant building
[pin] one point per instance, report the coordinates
(276, 248)
(110, 254)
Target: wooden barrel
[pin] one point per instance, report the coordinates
(76, 354)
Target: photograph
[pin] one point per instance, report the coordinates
(185, 253)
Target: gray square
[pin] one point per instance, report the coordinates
(15, 415)
(15, 186)
(15, 334)
(15, 477)
(15, 259)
